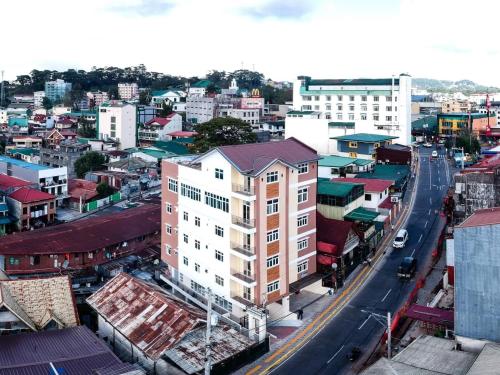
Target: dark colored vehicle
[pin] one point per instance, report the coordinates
(407, 268)
(354, 354)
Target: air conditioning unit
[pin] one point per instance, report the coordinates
(394, 199)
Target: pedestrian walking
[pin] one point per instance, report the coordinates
(300, 314)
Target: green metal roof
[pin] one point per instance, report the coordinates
(172, 146)
(341, 124)
(361, 162)
(336, 161)
(158, 154)
(22, 151)
(187, 140)
(361, 214)
(463, 115)
(427, 122)
(397, 173)
(300, 112)
(364, 137)
(204, 83)
(354, 82)
(336, 189)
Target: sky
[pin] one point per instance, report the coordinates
(442, 39)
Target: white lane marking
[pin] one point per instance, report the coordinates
(362, 325)
(430, 200)
(337, 352)
(420, 238)
(383, 299)
(413, 252)
(430, 175)
(429, 212)
(426, 222)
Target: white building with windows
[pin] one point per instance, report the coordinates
(326, 108)
(117, 121)
(240, 220)
(127, 91)
(38, 98)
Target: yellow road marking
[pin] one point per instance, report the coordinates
(255, 369)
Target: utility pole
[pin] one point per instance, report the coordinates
(209, 327)
(463, 157)
(389, 335)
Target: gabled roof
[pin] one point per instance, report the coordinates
(130, 164)
(487, 216)
(361, 214)
(336, 189)
(254, 158)
(28, 195)
(7, 182)
(364, 138)
(335, 232)
(38, 301)
(78, 188)
(162, 121)
(335, 161)
(181, 133)
(371, 184)
(153, 321)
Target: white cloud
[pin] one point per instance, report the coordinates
(322, 38)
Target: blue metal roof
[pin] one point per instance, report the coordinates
(23, 164)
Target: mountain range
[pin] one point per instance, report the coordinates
(465, 86)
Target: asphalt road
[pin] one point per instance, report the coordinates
(326, 353)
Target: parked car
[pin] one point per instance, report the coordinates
(407, 268)
(401, 239)
(434, 154)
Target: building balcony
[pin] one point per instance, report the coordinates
(243, 222)
(244, 277)
(245, 190)
(242, 300)
(243, 251)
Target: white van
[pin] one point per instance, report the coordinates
(401, 239)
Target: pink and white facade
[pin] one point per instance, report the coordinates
(240, 220)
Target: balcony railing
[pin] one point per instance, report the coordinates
(245, 301)
(245, 276)
(243, 222)
(247, 190)
(243, 249)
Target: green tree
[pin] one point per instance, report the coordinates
(470, 144)
(144, 97)
(47, 103)
(86, 129)
(90, 161)
(166, 109)
(222, 131)
(104, 190)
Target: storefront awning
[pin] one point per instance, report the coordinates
(325, 247)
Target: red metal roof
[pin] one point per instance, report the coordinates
(487, 216)
(491, 162)
(387, 204)
(181, 133)
(371, 184)
(255, 157)
(7, 182)
(162, 121)
(153, 321)
(82, 188)
(28, 195)
(85, 235)
(431, 315)
(65, 121)
(334, 232)
(67, 133)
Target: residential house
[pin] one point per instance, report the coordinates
(335, 199)
(275, 128)
(240, 220)
(81, 192)
(376, 191)
(29, 155)
(117, 121)
(175, 98)
(131, 165)
(65, 122)
(5, 220)
(73, 350)
(199, 88)
(37, 304)
(27, 142)
(57, 136)
(399, 174)
(394, 154)
(66, 153)
(31, 208)
(82, 244)
(158, 128)
(334, 166)
(182, 135)
(157, 329)
(362, 145)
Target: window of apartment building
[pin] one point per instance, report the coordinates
(351, 116)
(273, 235)
(395, 98)
(328, 98)
(375, 117)
(168, 249)
(364, 107)
(395, 118)
(219, 231)
(273, 261)
(190, 192)
(172, 185)
(219, 174)
(339, 98)
(302, 220)
(186, 216)
(271, 287)
(368, 197)
(169, 208)
(316, 107)
(316, 97)
(197, 221)
(328, 115)
(302, 194)
(219, 280)
(302, 266)
(197, 267)
(388, 98)
(219, 256)
(353, 144)
(197, 245)
(272, 177)
(306, 98)
(272, 206)
(375, 108)
(363, 116)
(216, 201)
(303, 168)
(186, 238)
(388, 118)
(351, 98)
(306, 107)
(363, 98)
(375, 98)
(113, 119)
(351, 107)
(388, 108)
(339, 116)
(339, 107)
(185, 261)
(302, 244)
(169, 229)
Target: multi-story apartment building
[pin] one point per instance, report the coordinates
(55, 90)
(50, 180)
(325, 108)
(127, 91)
(64, 154)
(200, 109)
(250, 116)
(117, 121)
(453, 124)
(38, 98)
(96, 98)
(240, 220)
(455, 106)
